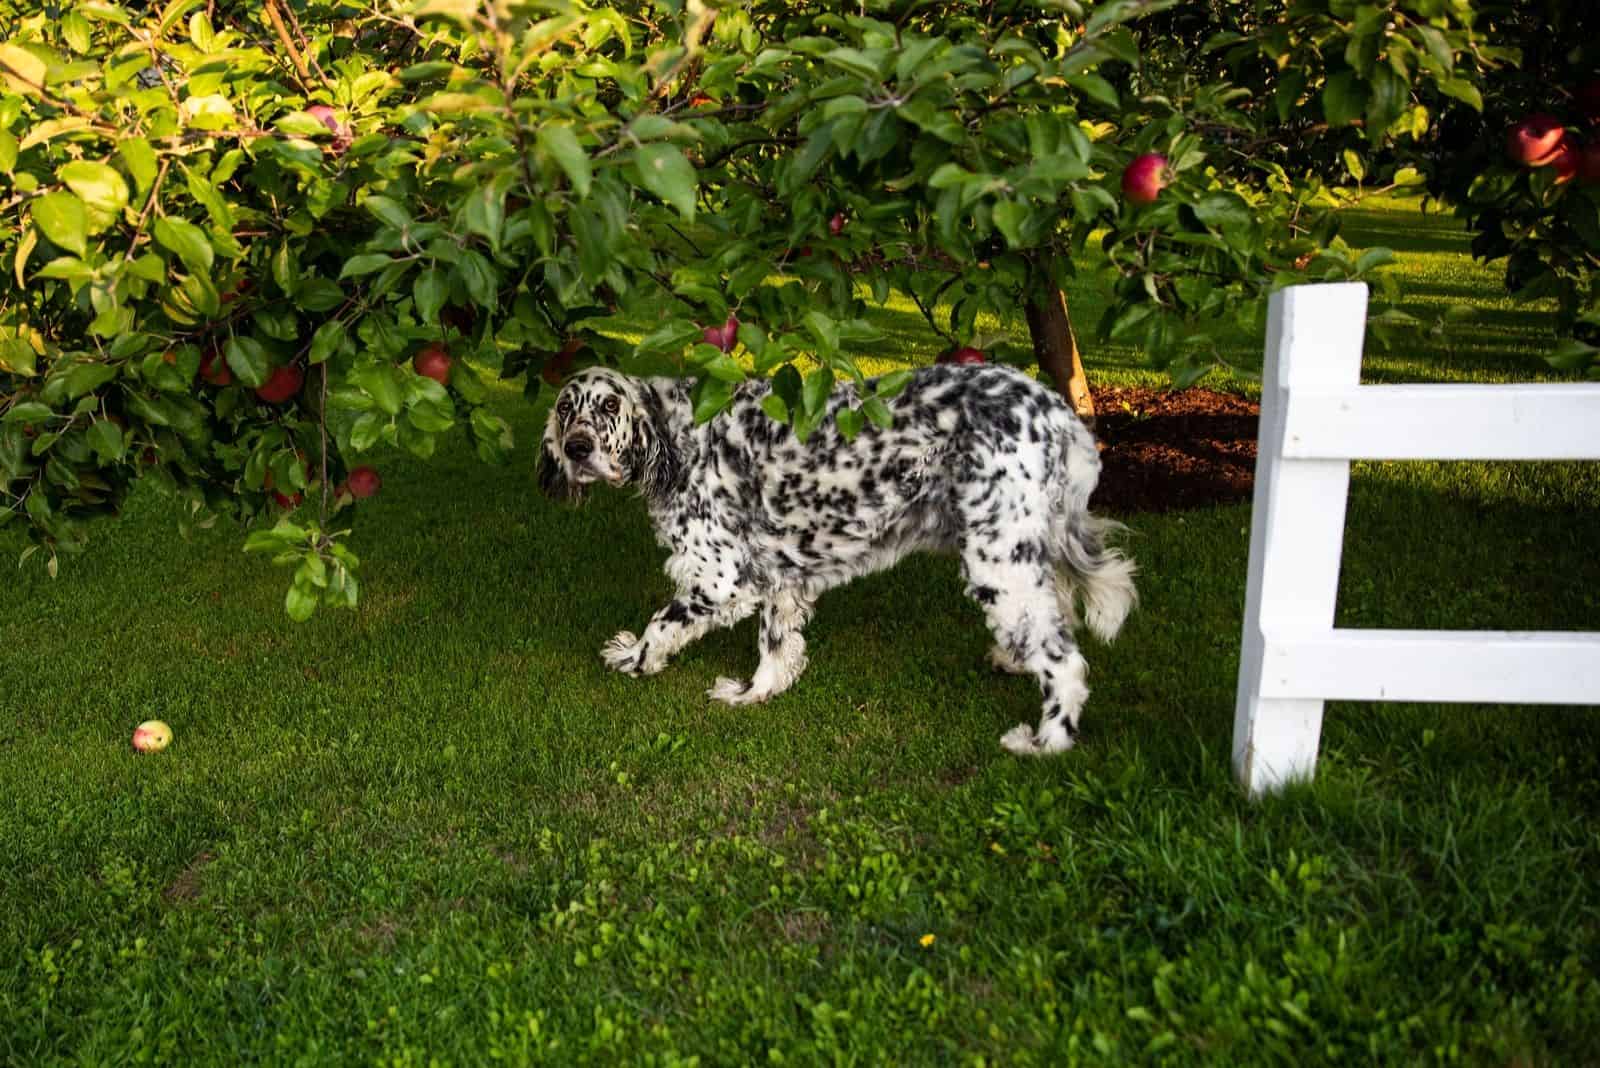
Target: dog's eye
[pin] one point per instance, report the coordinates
(564, 407)
(612, 405)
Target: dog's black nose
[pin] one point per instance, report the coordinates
(578, 448)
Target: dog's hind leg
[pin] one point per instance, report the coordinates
(1020, 602)
(783, 651)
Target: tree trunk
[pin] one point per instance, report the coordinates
(1055, 347)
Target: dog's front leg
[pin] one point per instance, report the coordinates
(687, 617)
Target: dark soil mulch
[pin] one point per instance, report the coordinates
(1162, 450)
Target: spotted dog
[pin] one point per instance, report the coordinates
(981, 461)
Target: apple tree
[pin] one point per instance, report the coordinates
(1524, 172)
(252, 242)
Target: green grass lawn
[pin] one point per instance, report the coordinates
(436, 830)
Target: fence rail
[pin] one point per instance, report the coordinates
(1315, 418)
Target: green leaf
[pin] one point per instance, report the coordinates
(366, 431)
(18, 358)
(480, 278)
(1344, 98)
(493, 436)
(318, 295)
(1224, 211)
(1095, 88)
(1570, 354)
(775, 408)
(364, 263)
(283, 268)
(878, 412)
(892, 383)
(60, 216)
(201, 32)
(1374, 257)
(1009, 216)
(819, 384)
(100, 187)
(86, 377)
(1463, 90)
(850, 421)
(486, 213)
(8, 151)
(326, 341)
(386, 211)
(301, 601)
(382, 385)
(558, 142)
(664, 171)
(28, 412)
(106, 439)
(187, 240)
(430, 291)
(75, 31)
(248, 360)
(29, 67)
(824, 329)
(670, 337)
(711, 395)
(1353, 164)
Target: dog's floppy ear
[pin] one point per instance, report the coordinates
(653, 456)
(552, 473)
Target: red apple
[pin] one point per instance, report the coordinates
(214, 369)
(364, 482)
(557, 366)
(324, 114)
(1589, 164)
(1588, 100)
(290, 502)
(235, 291)
(1532, 141)
(723, 337)
(1566, 160)
(836, 224)
(1144, 179)
(433, 361)
(968, 354)
(284, 383)
(341, 133)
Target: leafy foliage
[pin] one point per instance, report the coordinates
(232, 227)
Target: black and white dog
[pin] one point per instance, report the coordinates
(983, 461)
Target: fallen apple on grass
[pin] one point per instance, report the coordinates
(151, 736)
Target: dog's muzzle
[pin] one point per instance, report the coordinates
(588, 463)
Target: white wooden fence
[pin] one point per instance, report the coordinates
(1315, 419)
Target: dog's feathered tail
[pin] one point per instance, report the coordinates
(1085, 564)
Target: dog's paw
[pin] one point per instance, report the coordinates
(622, 653)
(733, 692)
(1022, 741)
(1019, 740)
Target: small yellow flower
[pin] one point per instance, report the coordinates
(926, 940)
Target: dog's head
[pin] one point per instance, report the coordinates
(602, 428)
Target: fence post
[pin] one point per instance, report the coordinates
(1314, 338)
